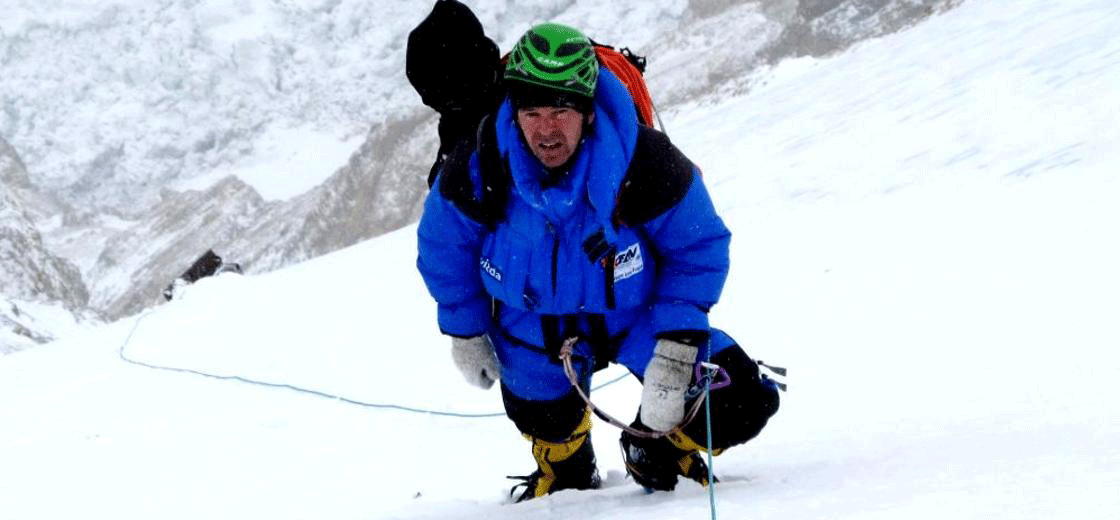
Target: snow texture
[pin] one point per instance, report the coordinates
(274, 132)
(924, 233)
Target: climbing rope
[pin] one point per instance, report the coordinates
(708, 429)
(573, 378)
(701, 391)
(706, 382)
(302, 390)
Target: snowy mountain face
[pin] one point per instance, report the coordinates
(166, 128)
(34, 282)
(923, 233)
(380, 189)
(821, 27)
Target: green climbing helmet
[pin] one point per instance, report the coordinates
(557, 57)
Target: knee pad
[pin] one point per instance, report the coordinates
(739, 410)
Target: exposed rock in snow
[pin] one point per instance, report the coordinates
(139, 164)
(29, 273)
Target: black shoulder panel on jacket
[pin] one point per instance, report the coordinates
(658, 178)
(455, 177)
(458, 186)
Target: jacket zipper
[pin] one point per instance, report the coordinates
(555, 254)
(608, 274)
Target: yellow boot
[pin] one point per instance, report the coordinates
(656, 464)
(569, 464)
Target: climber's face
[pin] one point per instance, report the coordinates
(552, 133)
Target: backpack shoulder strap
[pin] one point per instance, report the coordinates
(482, 198)
(658, 178)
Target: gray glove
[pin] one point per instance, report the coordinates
(666, 381)
(475, 359)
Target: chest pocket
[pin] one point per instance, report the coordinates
(522, 252)
(627, 270)
(533, 265)
(504, 265)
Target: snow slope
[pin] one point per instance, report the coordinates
(923, 233)
(273, 132)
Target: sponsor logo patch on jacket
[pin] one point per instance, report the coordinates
(490, 269)
(628, 263)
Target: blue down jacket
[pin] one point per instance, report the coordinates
(625, 248)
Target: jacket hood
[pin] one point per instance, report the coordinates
(597, 170)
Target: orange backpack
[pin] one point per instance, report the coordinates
(628, 67)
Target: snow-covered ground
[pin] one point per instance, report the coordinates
(924, 233)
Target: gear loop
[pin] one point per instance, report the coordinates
(566, 350)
